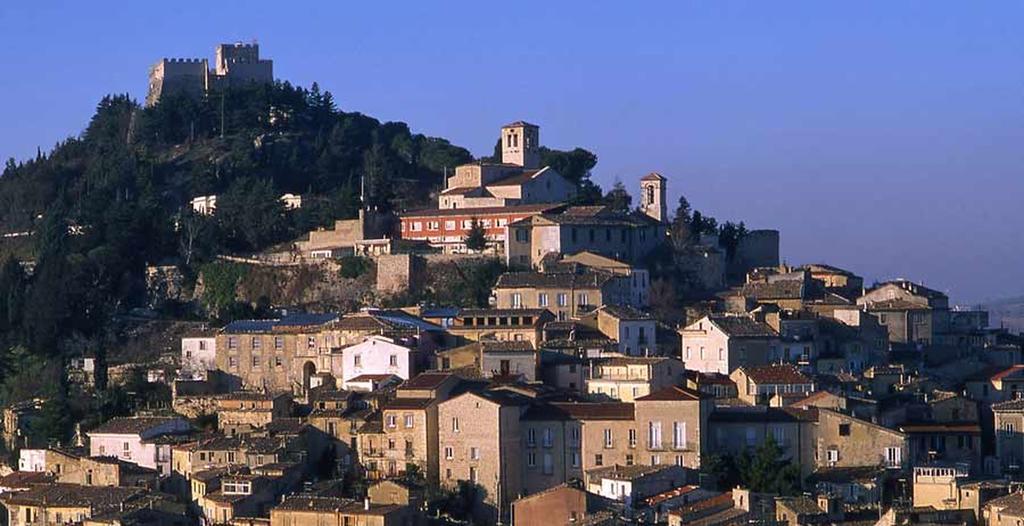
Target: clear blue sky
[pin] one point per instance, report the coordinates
(883, 136)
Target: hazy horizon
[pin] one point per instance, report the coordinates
(881, 137)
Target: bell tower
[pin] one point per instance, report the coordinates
(520, 144)
(653, 201)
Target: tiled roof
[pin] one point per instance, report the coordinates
(409, 403)
(743, 327)
(332, 505)
(896, 304)
(132, 424)
(781, 289)
(776, 374)
(580, 411)
(622, 361)
(802, 505)
(68, 495)
(516, 179)
(621, 472)
(841, 475)
(653, 176)
(553, 280)
(426, 380)
(673, 393)
(751, 414)
(1009, 405)
(485, 211)
(625, 312)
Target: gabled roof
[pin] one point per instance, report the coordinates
(674, 393)
(1009, 405)
(653, 176)
(783, 373)
(580, 411)
(484, 211)
(132, 425)
(518, 124)
(553, 280)
(742, 327)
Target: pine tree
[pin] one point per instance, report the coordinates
(477, 237)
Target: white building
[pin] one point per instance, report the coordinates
(204, 204)
(198, 355)
(32, 460)
(291, 201)
(133, 439)
(722, 343)
(377, 355)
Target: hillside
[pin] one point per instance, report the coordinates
(1008, 312)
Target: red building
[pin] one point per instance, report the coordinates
(447, 228)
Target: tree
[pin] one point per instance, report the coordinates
(679, 229)
(251, 215)
(702, 225)
(765, 470)
(476, 239)
(618, 199)
(729, 236)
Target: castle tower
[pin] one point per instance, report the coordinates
(520, 144)
(652, 196)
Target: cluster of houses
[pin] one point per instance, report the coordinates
(566, 400)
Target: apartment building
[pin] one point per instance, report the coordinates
(628, 378)
(722, 343)
(501, 324)
(759, 383)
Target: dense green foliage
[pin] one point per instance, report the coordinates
(476, 239)
(102, 206)
(763, 469)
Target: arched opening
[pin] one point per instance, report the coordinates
(308, 371)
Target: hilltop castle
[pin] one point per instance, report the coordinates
(234, 64)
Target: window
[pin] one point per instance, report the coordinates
(844, 430)
(654, 435)
(392, 421)
(311, 342)
(832, 455)
(548, 440)
(357, 360)
(449, 452)
(598, 459)
(542, 299)
(474, 453)
(256, 342)
(583, 299)
(256, 360)
(549, 467)
(449, 225)
(416, 226)
(232, 342)
(408, 421)
(455, 424)
(563, 299)
(432, 225)
(531, 437)
(472, 474)
(608, 438)
(279, 342)
(679, 435)
(574, 436)
(531, 459)
(575, 459)
(277, 361)
(632, 438)
(233, 362)
(629, 459)
(893, 457)
(393, 360)
(517, 300)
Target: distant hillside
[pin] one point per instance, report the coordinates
(1008, 312)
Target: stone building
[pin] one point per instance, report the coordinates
(311, 510)
(480, 441)
(624, 236)
(75, 504)
(501, 324)
(517, 180)
(653, 196)
(913, 313)
(722, 343)
(565, 294)
(757, 384)
(629, 378)
(246, 411)
(235, 64)
(489, 359)
(563, 504)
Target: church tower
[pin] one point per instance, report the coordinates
(652, 197)
(520, 144)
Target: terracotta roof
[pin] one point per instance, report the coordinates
(409, 403)
(653, 176)
(427, 380)
(896, 305)
(775, 374)
(372, 378)
(621, 472)
(484, 211)
(802, 505)
(625, 312)
(1012, 371)
(781, 289)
